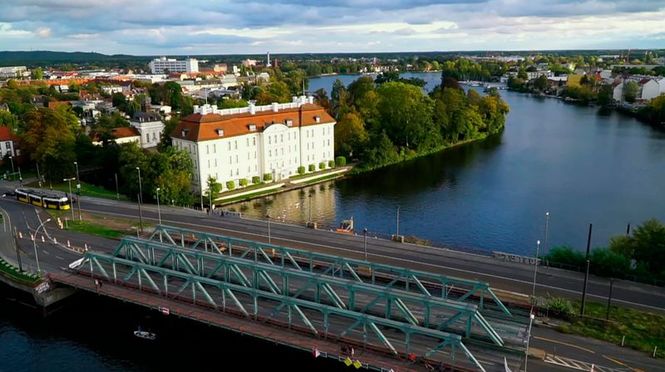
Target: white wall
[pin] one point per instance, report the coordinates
(650, 90)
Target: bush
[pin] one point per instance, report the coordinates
(566, 256)
(604, 262)
(331, 164)
(560, 308)
(244, 182)
(322, 165)
(267, 177)
(256, 180)
(230, 185)
(340, 161)
(301, 170)
(312, 167)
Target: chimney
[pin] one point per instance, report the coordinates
(252, 108)
(275, 107)
(310, 100)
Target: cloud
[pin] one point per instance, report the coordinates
(223, 26)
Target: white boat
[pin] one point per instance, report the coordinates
(145, 335)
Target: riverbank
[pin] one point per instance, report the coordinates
(290, 184)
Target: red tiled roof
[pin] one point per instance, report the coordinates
(199, 127)
(124, 132)
(7, 135)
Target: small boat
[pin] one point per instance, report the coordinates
(346, 226)
(145, 335)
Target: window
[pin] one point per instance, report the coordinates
(214, 148)
(236, 144)
(269, 152)
(254, 141)
(207, 149)
(236, 158)
(247, 141)
(230, 160)
(269, 140)
(281, 138)
(229, 146)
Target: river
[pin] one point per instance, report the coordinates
(580, 166)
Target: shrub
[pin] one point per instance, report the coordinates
(340, 161)
(244, 182)
(267, 177)
(331, 163)
(566, 256)
(560, 308)
(256, 180)
(322, 165)
(301, 170)
(312, 167)
(604, 262)
(230, 185)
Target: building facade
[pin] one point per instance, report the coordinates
(8, 142)
(165, 65)
(150, 127)
(243, 143)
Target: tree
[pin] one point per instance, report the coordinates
(213, 188)
(404, 112)
(630, 90)
(226, 103)
(50, 138)
(321, 97)
(381, 152)
(339, 97)
(646, 246)
(540, 83)
(37, 73)
(605, 95)
(350, 135)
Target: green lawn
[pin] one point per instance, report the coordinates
(86, 190)
(643, 330)
(94, 229)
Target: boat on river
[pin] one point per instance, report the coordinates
(145, 335)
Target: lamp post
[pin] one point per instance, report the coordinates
(11, 159)
(20, 178)
(78, 190)
(365, 242)
(139, 201)
(34, 244)
(535, 272)
(547, 227)
(268, 219)
(71, 201)
(310, 209)
(39, 177)
(159, 211)
(528, 338)
(397, 232)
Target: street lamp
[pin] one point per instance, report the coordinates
(11, 159)
(34, 244)
(532, 316)
(140, 200)
(547, 226)
(71, 201)
(159, 212)
(78, 190)
(365, 242)
(535, 272)
(268, 219)
(397, 233)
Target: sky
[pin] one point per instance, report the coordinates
(193, 27)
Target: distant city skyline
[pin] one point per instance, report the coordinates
(169, 27)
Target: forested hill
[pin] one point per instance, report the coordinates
(42, 57)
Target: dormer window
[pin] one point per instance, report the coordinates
(289, 122)
(317, 119)
(220, 132)
(252, 127)
(184, 132)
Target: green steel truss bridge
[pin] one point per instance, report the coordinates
(381, 308)
(426, 283)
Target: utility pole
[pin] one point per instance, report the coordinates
(78, 189)
(609, 299)
(139, 200)
(365, 242)
(586, 275)
(117, 190)
(397, 232)
(71, 202)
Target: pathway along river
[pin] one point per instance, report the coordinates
(580, 166)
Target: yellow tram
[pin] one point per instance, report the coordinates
(42, 198)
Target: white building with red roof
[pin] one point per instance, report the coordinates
(242, 143)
